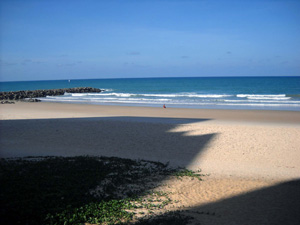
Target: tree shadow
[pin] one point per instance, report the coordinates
(125, 137)
(278, 204)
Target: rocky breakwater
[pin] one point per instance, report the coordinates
(19, 95)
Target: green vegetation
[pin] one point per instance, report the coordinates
(77, 190)
(183, 172)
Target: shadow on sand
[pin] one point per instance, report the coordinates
(126, 137)
(150, 139)
(279, 204)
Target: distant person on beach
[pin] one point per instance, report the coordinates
(164, 106)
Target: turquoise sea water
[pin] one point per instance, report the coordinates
(268, 93)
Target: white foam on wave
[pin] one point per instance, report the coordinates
(126, 99)
(57, 97)
(264, 97)
(259, 95)
(251, 95)
(187, 95)
(59, 100)
(210, 96)
(79, 94)
(160, 95)
(94, 94)
(117, 94)
(269, 98)
(137, 95)
(263, 105)
(104, 89)
(262, 101)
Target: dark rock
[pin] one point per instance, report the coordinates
(17, 95)
(33, 100)
(7, 102)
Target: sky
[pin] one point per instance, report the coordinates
(83, 39)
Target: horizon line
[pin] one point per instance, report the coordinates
(119, 78)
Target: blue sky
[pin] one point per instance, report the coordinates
(42, 40)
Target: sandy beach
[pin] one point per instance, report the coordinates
(252, 157)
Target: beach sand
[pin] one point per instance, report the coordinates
(252, 157)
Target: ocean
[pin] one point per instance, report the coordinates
(263, 93)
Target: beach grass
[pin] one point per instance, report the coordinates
(84, 189)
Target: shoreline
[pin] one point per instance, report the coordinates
(181, 106)
(39, 110)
